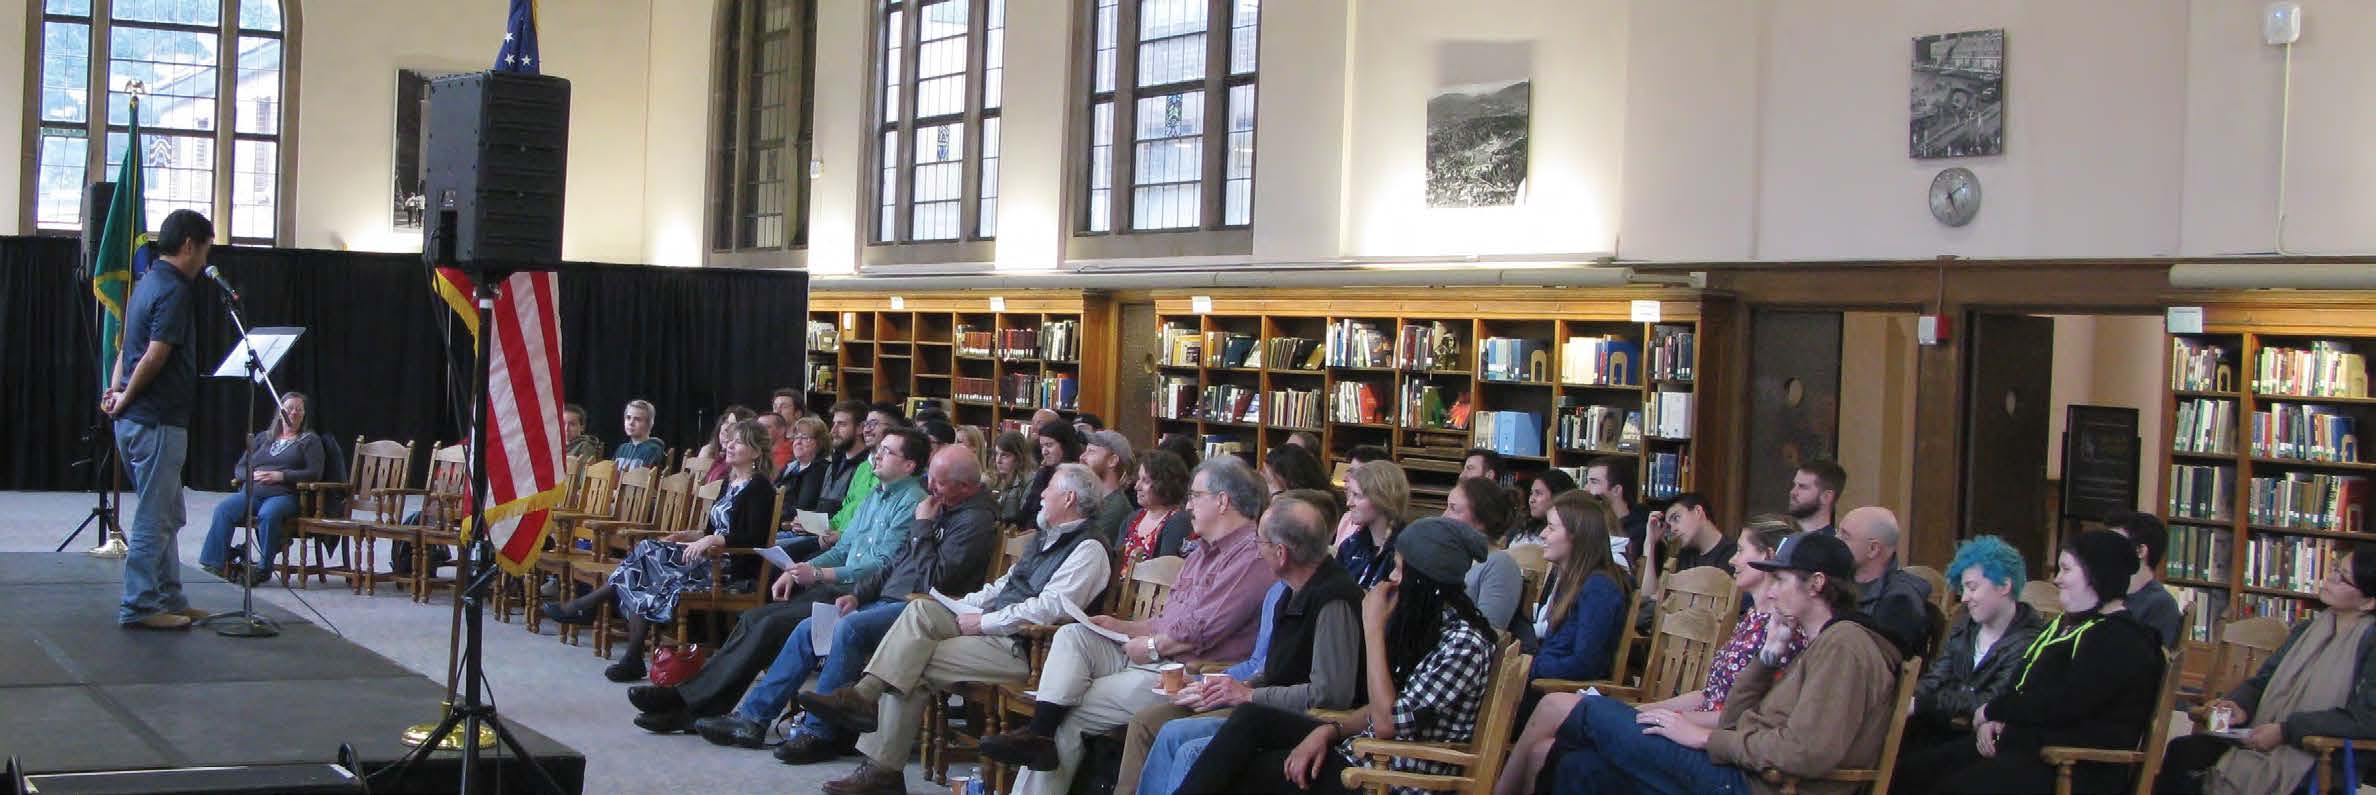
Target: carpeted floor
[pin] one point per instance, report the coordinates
(555, 689)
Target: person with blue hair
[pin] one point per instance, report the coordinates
(1983, 653)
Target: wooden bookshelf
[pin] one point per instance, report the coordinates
(2247, 557)
(1542, 387)
(989, 378)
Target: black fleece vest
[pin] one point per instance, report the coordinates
(1297, 620)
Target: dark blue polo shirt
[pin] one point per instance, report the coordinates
(161, 312)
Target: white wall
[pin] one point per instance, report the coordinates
(676, 124)
(12, 136)
(2096, 362)
(2234, 105)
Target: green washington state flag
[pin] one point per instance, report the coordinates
(125, 232)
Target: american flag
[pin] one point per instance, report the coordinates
(519, 39)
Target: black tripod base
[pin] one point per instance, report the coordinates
(241, 624)
(447, 739)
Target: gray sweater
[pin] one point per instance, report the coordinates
(298, 460)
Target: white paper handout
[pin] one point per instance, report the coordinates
(953, 605)
(1074, 610)
(813, 522)
(776, 557)
(821, 622)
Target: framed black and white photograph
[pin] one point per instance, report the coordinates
(1958, 98)
(1478, 124)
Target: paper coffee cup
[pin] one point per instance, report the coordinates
(1175, 676)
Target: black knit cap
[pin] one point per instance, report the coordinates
(2107, 559)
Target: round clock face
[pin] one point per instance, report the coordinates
(1955, 196)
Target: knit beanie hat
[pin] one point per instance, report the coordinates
(1440, 549)
(2107, 559)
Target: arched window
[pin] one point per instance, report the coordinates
(211, 125)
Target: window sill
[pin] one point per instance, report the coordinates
(757, 258)
(891, 256)
(1159, 244)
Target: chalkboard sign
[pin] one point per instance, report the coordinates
(2099, 461)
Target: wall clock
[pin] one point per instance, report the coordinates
(1955, 196)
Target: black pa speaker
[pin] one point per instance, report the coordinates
(96, 197)
(496, 157)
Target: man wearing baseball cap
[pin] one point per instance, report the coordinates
(1826, 710)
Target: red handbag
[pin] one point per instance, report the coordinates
(671, 665)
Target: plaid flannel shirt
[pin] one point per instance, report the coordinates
(1440, 701)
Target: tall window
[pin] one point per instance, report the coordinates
(938, 69)
(1171, 115)
(196, 106)
(761, 141)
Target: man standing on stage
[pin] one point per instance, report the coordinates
(155, 384)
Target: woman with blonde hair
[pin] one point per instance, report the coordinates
(1012, 462)
(1378, 499)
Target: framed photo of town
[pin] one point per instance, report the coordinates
(1957, 104)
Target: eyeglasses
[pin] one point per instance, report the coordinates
(1195, 493)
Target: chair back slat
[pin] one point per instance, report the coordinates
(1909, 674)
(1939, 594)
(674, 498)
(449, 476)
(1699, 586)
(636, 495)
(1688, 640)
(380, 465)
(595, 487)
(2244, 644)
(1492, 740)
(2157, 740)
(1533, 571)
(698, 467)
(1151, 583)
(2044, 597)
(697, 510)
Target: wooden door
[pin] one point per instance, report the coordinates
(1794, 400)
(2010, 381)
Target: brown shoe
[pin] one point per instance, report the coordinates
(193, 614)
(160, 621)
(843, 707)
(869, 780)
(1021, 748)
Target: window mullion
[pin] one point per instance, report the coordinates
(911, 60)
(95, 105)
(1125, 152)
(1216, 115)
(738, 199)
(969, 168)
(226, 97)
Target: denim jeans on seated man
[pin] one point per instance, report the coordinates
(1601, 731)
(1174, 751)
(271, 512)
(854, 640)
(152, 556)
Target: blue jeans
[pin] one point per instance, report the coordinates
(270, 513)
(1174, 751)
(854, 640)
(1601, 731)
(152, 557)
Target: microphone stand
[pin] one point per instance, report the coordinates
(245, 622)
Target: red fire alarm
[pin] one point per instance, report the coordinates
(1932, 330)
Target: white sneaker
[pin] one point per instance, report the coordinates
(113, 548)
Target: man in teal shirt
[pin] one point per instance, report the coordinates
(881, 520)
(880, 420)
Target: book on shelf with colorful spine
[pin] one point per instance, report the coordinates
(1297, 409)
(823, 336)
(2283, 608)
(982, 390)
(2326, 368)
(1672, 350)
(1518, 433)
(1355, 402)
(1179, 346)
(1668, 415)
(1511, 359)
(2289, 563)
(2201, 491)
(1022, 390)
(2305, 432)
(1175, 398)
(1016, 344)
(2199, 552)
(2310, 501)
(2205, 425)
(821, 378)
(1060, 340)
(1060, 391)
(1290, 353)
(1353, 343)
(2206, 622)
(973, 340)
(1666, 474)
(2200, 366)
(1598, 429)
(1600, 361)
(1228, 350)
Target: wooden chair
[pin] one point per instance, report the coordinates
(2324, 748)
(586, 550)
(696, 466)
(597, 486)
(1685, 645)
(2244, 644)
(1625, 638)
(515, 591)
(1699, 586)
(721, 600)
(1533, 571)
(2147, 758)
(377, 467)
(2044, 597)
(1480, 759)
(1873, 779)
(1939, 594)
(440, 495)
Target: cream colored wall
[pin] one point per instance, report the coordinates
(2098, 360)
(12, 136)
(676, 120)
(1876, 432)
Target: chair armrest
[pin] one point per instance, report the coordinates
(1432, 752)
(403, 492)
(1037, 632)
(1332, 715)
(2059, 755)
(1357, 778)
(1610, 689)
(324, 485)
(2328, 745)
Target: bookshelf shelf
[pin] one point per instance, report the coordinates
(2280, 592)
(2229, 457)
(2348, 466)
(1053, 348)
(2340, 535)
(2192, 393)
(2341, 401)
(1636, 388)
(2194, 583)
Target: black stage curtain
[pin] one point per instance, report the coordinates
(691, 340)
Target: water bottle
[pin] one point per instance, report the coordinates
(975, 785)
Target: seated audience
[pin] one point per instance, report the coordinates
(1354, 458)
(582, 445)
(1983, 651)
(1531, 754)
(1092, 684)
(1894, 599)
(2090, 679)
(1589, 592)
(1011, 475)
(1108, 454)
(785, 403)
(932, 648)
(940, 432)
(1494, 584)
(1314, 611)
(1826, 710)
(641, 449)
(1185, 446)
(1378, 500)
(655, 573)
(1059, 444)
(802, 478)
(1290, 466)
(1087, 423)
(2147, 600)
(1483, 462)
(1310, 442)
(850, 451)
(1551, 483)
(1159, 528)
(782, 436)
(2320, 683)
(1687, 538)
(1427, 657)
(948, 546)
(1611, 478)
(276, 460)
(971, 437)
(881, 420)
(1045, 416)
(715, 451)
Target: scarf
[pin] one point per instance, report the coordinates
(2315, 675)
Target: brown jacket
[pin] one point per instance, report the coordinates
(1830, 709)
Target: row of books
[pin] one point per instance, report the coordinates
(1665, 474)
(1174, 398)
(1217, 445)
(1022, 390)
(2199, 366)
(821, 377)
(973, 340)
(1056, 340)
(2305, 433)
(1603, 360)
(1599, 429)
(2207, 621)
(981, 389)
(2282, 608)
(1225, 349)
(2205, 425)
(2201, 491)
(1510, 432)
(1354, 343)
(2325, 369)
(1060, 391)
(1511, 359)
(2288, 563)
(1426, 405)
(1179, 345)
(2310, 501)
(823, 336)
(1295, 408)
(1355, 402)
(1229, 403)
(1672, 350)
(2199, 552)
(1416, 347)
(1667, 415)
(1292, 353)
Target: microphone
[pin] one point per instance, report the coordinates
(216, 274)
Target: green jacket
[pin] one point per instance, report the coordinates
(861, 485)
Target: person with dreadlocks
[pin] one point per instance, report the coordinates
(1427, 653)
(2089, 680)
